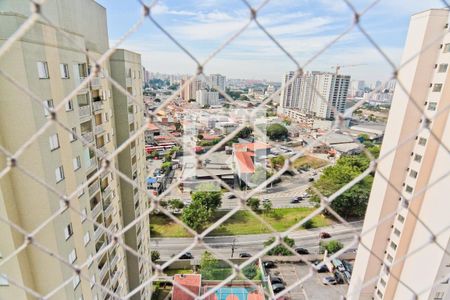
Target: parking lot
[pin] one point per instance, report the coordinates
(312, 288)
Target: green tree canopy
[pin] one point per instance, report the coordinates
(154, 254)
(176, 204)
(280, 249)
(196, 216)
(208, 195)
(277, 161)
(253, 203)
(332, 246)
(276, 132)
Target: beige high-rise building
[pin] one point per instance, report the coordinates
(51, 66)
(420, 230)
(127, 70)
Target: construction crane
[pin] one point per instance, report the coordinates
(338, 67)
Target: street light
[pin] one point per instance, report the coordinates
(232, 247)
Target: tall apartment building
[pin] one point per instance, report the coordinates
(204, 97)
(126, 69)
(51, 66)
(218, 80)
(417, 169)
(189, 91)
(316, 93)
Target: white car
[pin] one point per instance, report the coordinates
(304, 195)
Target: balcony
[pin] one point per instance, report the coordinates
(100, 247)
(132, 151)
(103, 270)
(96, 210)
(112, 227)
(84, 111)
(130, 118)
(136, 197)
(107, 191)
(93, 188)
(98, 129)
(98, 105)
(88, 136)
(98, 233)
(128, 82)
(108, 209)
(115, 277)
(84, 89)
(96, 83)
(115, 260)
(103, 149)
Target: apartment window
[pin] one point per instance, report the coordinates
(389, 258)
(68, 231)
(383, 283)
(72, 256)
(443, 68)
(64, 71)
(76, 281)
(72, 135)
(59, 173)
(48, 104)
(4, 280)
(83, 215)
(418, 158)
(76, 163)
(380, 294)
(90, 260)
(401, 218)
(432, 106)
(413, 174)
(69, 105)
(42, 68)
(92, 283)
(446, 48)
(54, 142)
(82, 70)
(439, 295)
(437, 87)
(409, 189)
(396, 232)
(81, 193)
(422, 141)
(393, 245)
(86, 238)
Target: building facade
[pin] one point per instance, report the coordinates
(51, 66)
(204, 97)
(127, 70)
(404, 213)
(218, 80)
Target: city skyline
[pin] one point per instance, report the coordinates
(202, 26)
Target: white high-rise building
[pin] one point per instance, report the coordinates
(205, 97)
(406, 256)
(218, 80)
(290, 91)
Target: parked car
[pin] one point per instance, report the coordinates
(324, 235)
(329, 280)
(157, 172)
(304, 195)
(266, 200)
(311, 179)
(187, 255)
(277, 287)
(244, 255)
(275, 279)
(323, 268)
(231, 196)
(296, 199)
(269, 264)
(301, 251)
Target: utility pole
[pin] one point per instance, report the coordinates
(232, 247)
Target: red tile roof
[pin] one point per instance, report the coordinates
(251, 146)
(245, 161)
(191, 282)
(152, 127)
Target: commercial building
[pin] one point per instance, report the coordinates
(407, 237)
(51, 66)
(127, 70)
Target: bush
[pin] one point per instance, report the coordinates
(154, 255)
(280, 249)
(332, 246)
(250, 271)
(308, 224)
(277, 132)
(253, 203)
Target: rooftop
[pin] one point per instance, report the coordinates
(191, 282)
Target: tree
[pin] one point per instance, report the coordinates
(250, 271)
(154, 254)
(353, 202)
(200, 136)
(178, 126)
(243, 97)
(267, 206)
(332, 246)
(208, 265)
(196, 216)
(276, 132)
(308, 224)
(277, 161)
(280, 249)
(166, 166)
(253, 203)
(176, 204)
(208, 196)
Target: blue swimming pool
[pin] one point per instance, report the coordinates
(240, 292)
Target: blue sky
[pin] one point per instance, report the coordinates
(303, 27)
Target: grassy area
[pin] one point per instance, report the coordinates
(312, 161)
(241, 223)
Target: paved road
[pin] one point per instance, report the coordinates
(253, 243)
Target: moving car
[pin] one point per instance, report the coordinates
(324, 235)
(244, 255)
(296, 199)
(301, 251)
(329, 280)
(187, 255)
(277, 287)
(269, 264)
